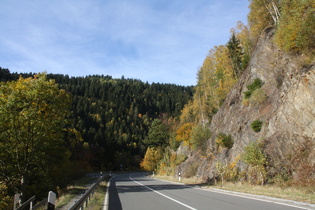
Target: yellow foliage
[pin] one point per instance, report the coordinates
(215, 80)
(151, 159)
(173, 159)
(184, 133)
(187, 113)
(5, 200)
(296, 29)
(258, 17)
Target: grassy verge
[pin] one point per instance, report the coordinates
(74, 190)
(97, 201)
(302, 194)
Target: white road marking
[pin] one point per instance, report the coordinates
(252, 197)
(172, 199)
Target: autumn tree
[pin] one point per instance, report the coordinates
(215, 80)
(262, 13)
(33, 114)
(151, 159)
(296, 29)
(183, 134)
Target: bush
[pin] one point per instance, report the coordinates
(255, 158)
(257, 83)
(224, 140)
(257, 97)
(199, 136)
(256, 125)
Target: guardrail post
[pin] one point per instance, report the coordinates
(51, 200)
(31, 205)
(16, 200)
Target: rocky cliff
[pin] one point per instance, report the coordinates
(285, 106)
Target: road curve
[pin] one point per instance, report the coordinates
(138, 192)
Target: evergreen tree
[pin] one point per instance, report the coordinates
(235, 53)
(158, 134)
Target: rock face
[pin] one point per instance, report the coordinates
(286, 106)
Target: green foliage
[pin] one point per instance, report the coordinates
(199, 136)
(33, 116)
(253, 156)
(5, 200)
(257, 97)
(224, 140)
(257, 83)
(113, 116)
(256, 125)
(158, 134)
(236, 54)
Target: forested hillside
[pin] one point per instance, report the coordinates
(107, 123)
(113, 115)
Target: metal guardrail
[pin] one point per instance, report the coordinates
(78, 205)
(40, 204)
(29, 202)
(83, 201)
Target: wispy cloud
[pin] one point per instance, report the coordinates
(156, 40)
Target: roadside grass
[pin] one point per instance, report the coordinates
(301, 194)
(97, 201)
(74, 190)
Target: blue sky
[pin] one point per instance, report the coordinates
(161, 41)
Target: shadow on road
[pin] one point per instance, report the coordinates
(114, 201)
(123, 184)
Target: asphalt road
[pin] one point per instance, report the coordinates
(139, 192)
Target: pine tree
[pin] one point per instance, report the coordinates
(235, 53)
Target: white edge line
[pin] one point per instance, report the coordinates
(172, 199)
(232, 193)
(106, 198)
(249, 197)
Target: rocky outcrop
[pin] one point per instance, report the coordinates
(286, 108)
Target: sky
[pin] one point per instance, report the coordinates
(160, 41)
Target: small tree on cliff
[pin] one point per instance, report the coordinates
(255, 158)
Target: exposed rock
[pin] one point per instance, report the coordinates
(287, 113)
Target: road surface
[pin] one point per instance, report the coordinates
(139, 192)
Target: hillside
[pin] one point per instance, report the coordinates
(112, 116)
(55, 128)
(283, 104)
